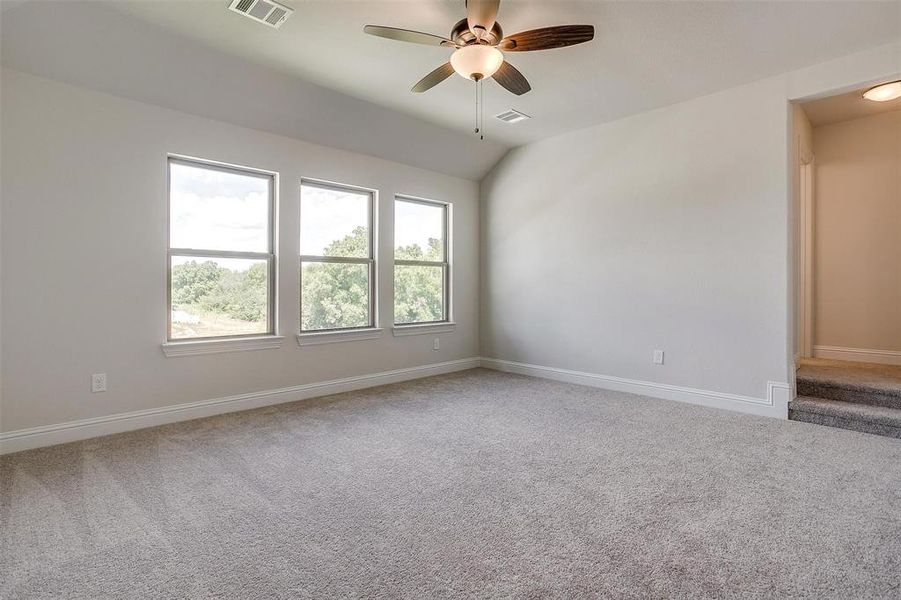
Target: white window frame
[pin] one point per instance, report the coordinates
(223, 343)
(445, 324)
(309, 337)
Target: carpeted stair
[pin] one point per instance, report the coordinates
(857, 396)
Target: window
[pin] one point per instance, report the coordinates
(337, 265)
(421, 266)
(221, 251)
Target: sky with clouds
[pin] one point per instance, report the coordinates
(219, 210)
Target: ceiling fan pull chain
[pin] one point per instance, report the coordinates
(477, 107)
(481, 111)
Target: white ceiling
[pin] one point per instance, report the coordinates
(196, 56)
(845, 107)
(89, 44)
(645, 54)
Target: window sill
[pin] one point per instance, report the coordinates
(194, 347)
(333, 337)
(424, 329)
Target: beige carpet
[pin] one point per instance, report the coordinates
(477, 484)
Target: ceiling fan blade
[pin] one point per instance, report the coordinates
(481, 15)
(547, 38)
(405, 35)
(511, 79)
(433, 78)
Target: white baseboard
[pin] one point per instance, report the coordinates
(883, 357)
(774, 405)
(36, 437)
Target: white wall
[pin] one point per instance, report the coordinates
(858, 233)
(665, 230)
(671, 229)
(656, 231)
(84, 256)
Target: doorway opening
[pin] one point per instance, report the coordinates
(847, 195)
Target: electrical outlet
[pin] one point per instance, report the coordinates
(98, 382)
(436, 345)
(658, 357)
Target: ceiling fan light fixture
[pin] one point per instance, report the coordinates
(477, 61)
(884, 92)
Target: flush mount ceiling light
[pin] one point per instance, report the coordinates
(479, 44)
(884, 92)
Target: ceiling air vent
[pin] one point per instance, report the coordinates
(512, 116)
(266, 12)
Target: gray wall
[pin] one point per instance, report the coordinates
(668, 230)
(663, 230)
(84, 256)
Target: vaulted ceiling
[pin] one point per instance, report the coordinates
(645, 55)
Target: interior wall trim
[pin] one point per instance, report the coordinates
(774, 405)
(883, 357)
(48, 435)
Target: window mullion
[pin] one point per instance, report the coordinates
(347, 260)
(420, 263)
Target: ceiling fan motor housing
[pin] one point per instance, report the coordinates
(462, 36)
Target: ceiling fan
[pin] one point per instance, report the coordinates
(479, 43)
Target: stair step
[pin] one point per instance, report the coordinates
(878, 420)
(844, 391)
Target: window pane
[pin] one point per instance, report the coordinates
(334, 222)
(214, 297)
(211, 209)
(334, 296)
(418, 294)
(418, 231)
